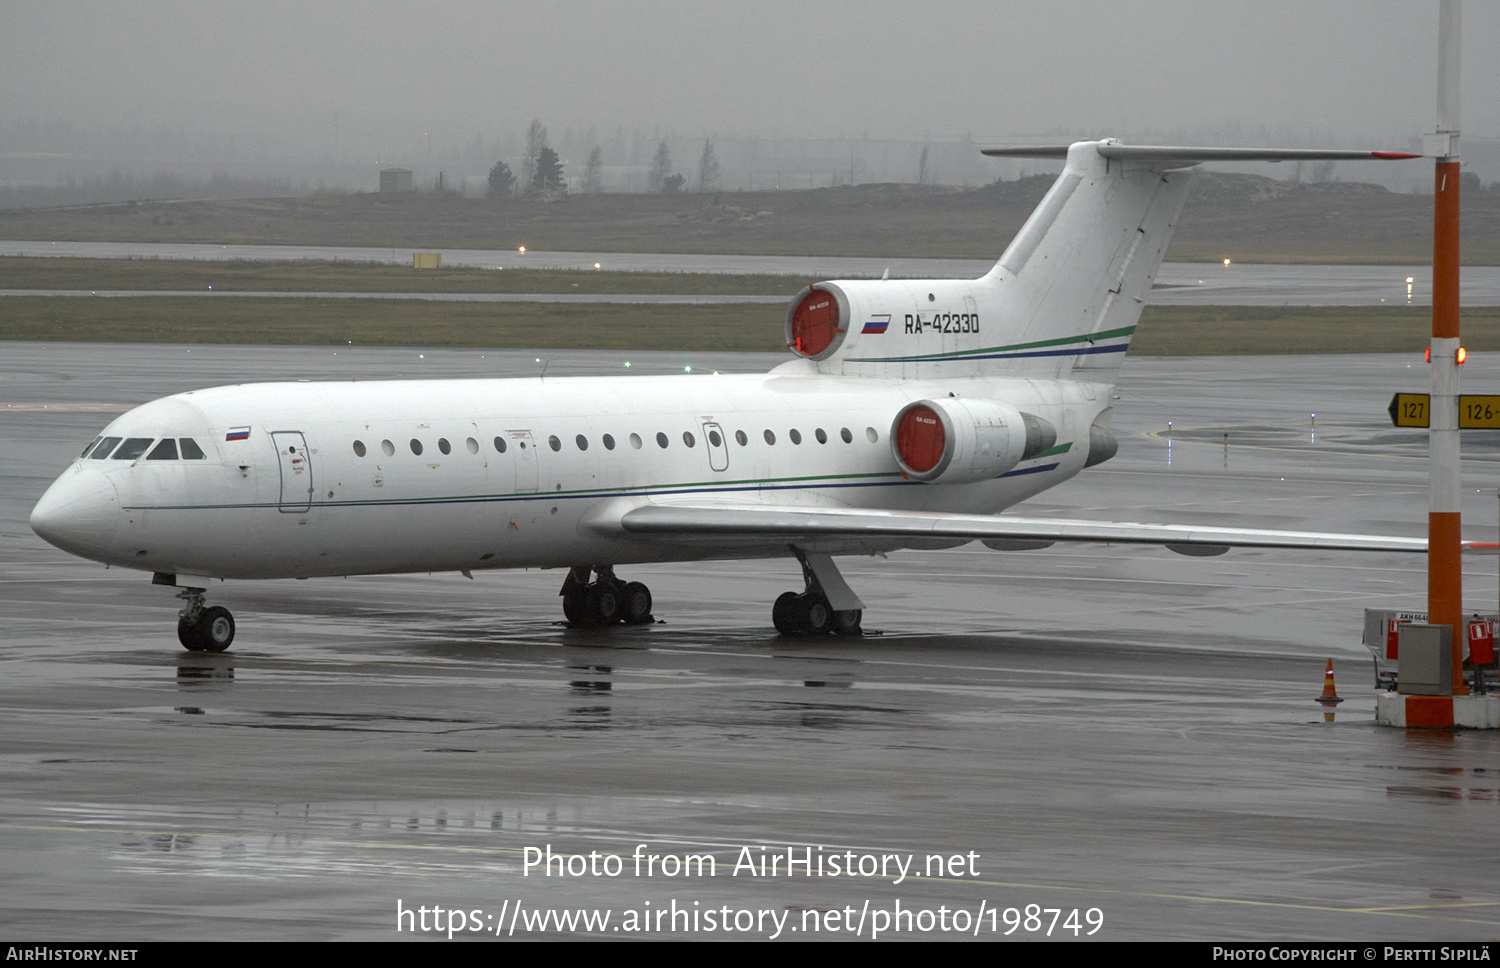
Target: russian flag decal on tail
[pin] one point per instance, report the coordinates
(238, 433)
(877, 324)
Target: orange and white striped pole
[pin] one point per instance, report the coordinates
(1444, 568)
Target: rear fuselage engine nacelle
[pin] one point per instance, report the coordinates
(963, 440)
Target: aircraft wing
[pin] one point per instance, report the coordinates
(999, 531)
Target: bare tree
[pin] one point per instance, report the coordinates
(592, 172)
(536, 140)
(922, 173)
(708, 167)
(661, 164)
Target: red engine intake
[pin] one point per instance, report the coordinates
(920, 439)
(963, 440)
(816, 322)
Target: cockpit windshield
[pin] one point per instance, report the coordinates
(132, 448)
(104, 447)
(168, 448)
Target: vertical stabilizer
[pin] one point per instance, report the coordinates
(1072, 284)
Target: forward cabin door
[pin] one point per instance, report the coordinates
(296, 470)
(718, 446)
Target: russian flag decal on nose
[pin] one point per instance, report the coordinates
(877, 324)
(238, 433)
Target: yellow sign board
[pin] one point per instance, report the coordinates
(1410, 410)
(1475, 412)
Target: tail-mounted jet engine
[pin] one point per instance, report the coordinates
(960, 440)
(816, 321)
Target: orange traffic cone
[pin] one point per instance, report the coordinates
(1330, 697)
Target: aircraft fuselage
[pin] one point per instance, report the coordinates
(313, 479)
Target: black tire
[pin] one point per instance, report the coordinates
(216, 629)
(575, 609)
(817, 617)
(784, 613)
(604, 605)
(847, 622)
(637, 607)
(187, 634)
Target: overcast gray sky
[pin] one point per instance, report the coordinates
(998, 68)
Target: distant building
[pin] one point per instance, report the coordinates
(395, 180)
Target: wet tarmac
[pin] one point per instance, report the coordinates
(1178, 283)
(1120, 732)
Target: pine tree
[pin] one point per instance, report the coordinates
(549, 173)
(502, 182)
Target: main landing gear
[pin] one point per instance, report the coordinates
(605, 600)
(201, 629)
(827, 604)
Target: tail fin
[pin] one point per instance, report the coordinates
(1062, 302)
(1077, 274)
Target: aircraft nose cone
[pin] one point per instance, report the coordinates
(78, 513)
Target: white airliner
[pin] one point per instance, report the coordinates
(912, 412)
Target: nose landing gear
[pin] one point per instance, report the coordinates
(606, 600)
(201, 629)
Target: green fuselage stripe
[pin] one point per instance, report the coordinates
(1014, 347)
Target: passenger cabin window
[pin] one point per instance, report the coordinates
(133, 448)
(359, 448)
(661, 440)
(473, 445)
(687, 438)
(848, 437)
(582, 442)
(554, 443)
(635, 441)
(105, 446)
(444, 446)
(388, 448)
(796, 436)
(739, 435)
(500, 445)
(609, 442)
(416, 447)
(166, 450)
(822, 437)
(770, 437)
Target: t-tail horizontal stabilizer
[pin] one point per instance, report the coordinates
(1165, 156)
